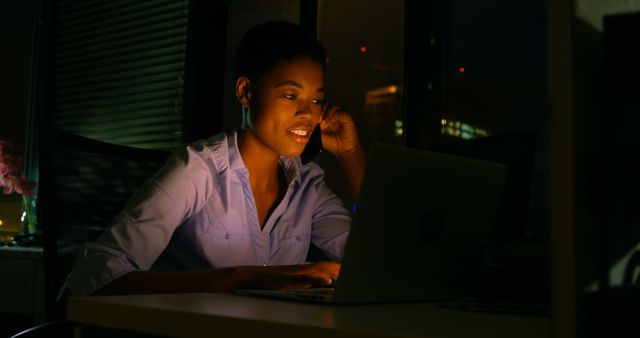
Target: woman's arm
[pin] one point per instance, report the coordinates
(353, 165)
(340, 138)
(140, 233)
(224, 279)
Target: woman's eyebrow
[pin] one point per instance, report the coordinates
(295, 84)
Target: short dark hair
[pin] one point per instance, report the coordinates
(270, 43)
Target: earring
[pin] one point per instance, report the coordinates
(246, 112)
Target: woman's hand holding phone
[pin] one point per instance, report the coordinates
(340, 138)
(339, 133)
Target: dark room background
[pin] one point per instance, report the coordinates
(154, 74)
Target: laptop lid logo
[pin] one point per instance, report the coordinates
(432, 226)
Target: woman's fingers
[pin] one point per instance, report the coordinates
(332, 115)
(317, 274)
(339, 134)
(327, 271)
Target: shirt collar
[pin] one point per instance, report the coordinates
(291, 165)
(235, 160)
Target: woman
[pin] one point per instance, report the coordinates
(239, 210)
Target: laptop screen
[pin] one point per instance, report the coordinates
(517, 152)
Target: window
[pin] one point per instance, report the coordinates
(117, 70)
(495, 69)
(364, 42)
(495, 81)
(365, 47)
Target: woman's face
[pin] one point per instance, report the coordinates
(286, 105)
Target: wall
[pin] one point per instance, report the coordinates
(590, 116)
(594, 202)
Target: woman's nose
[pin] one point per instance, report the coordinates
(305, 109)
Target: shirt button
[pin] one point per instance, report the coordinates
(227, 236)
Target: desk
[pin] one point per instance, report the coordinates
(229, 315)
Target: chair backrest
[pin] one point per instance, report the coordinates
(84, 183)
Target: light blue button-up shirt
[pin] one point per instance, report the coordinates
(198, 212)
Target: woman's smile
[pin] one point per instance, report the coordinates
(299, 134)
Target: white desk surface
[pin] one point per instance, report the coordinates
(229, 315)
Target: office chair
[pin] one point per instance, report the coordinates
(83, 184)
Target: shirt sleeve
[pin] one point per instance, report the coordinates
(330, 224)
(138, 234)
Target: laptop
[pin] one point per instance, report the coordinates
(418, 231)
(516, 150)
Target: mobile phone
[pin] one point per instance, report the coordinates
(313, 147)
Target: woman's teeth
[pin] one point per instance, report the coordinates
(299, 132)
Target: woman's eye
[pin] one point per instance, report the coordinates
(290, 97)
(317, 101)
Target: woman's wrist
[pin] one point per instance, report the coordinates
(355, 153)
(353, 165)
(242, 277)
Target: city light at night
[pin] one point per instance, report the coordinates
(462, 130)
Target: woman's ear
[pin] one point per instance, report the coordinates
(243, 91)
